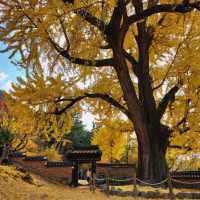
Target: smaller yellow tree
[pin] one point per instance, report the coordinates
(29, 109)
(19, 121)
(112, 139)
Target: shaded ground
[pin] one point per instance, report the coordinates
(16, 185)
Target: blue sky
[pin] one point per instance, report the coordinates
(8, 71)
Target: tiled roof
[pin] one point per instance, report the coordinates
(82, 148)
(35, 158)
(58, 164)
(17, 154)
(92, 153)
(85, 151)
(116, 165)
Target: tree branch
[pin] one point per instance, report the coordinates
(117, 15)
(187, 148)
(169, 68)
(183, 121)
(65, 32)
(118, 24)
(130, 58)
(91, 19)
(80, 61)
(133, 62)
(169, 96)
(180, 8)
(86, 62)
(22, 144)
(109, 99)
(174, 59)
(72, 102)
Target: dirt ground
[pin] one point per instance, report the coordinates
(16, 185)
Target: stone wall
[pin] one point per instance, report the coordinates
(63, 170)
(39, 165)
(115, 170)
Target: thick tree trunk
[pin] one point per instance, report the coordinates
(4, 154)
(142, 111)
(152, 165)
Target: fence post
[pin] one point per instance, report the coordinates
(107, 185)
(134, 183)
(90, 182)
(171, 194)
(94, 182)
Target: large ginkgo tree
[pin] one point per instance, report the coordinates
(140, 57)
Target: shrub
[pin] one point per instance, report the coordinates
(52, 154)
(5, 137)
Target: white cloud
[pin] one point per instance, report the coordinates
(5, 83)
(7, 86)
(3, 76)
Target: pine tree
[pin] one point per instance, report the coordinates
(78, 135)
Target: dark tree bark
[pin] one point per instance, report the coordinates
(152, 135)
(4, 154)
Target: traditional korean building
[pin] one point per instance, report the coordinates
(77, 155)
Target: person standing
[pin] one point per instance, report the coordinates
(88, 175)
